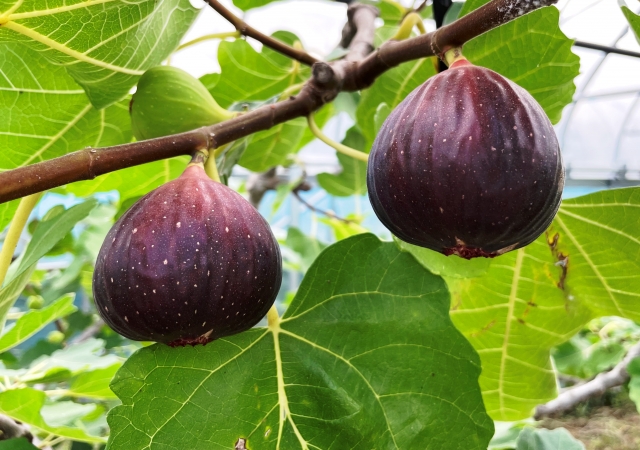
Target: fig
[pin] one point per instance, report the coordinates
(467, 164)
(35, 302)
(169, 101)
(190, 262)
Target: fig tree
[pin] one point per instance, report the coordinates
(468, 164)
(189, 262)
(168, 101)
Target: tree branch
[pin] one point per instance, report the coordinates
(10, 429)
(577, 394)
(267, 41)
(259, 183)
(331, 214)
(350, 74)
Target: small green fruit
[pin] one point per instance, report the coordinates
(55, 337)
(168, 101)
(35, 302)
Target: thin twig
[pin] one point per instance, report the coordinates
(267, 41)
(569, 398)
(606, 49)
(350, 74)
(318, 210)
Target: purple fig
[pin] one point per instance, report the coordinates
(190, 262)
(468, 164)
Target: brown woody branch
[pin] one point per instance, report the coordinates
(571, 397)
(327, 81)
(10, 429)
(330, 214)
(247, 30)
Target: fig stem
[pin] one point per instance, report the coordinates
(361, 156)
(453, 55)
(211, 167)
(411, 20)
(18, 223)
(273, 319)
(288, 92)
(229, 34)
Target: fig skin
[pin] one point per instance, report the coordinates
(190, 262)
(168, 101)
(467, 164)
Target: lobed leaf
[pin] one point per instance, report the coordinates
(537, 297)
(358, 356)
(104, 45)
(25, 404)
(45, 114)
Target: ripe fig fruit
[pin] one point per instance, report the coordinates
(468, 164)
(168, 101)
(190, 262)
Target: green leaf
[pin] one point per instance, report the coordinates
(25, 404)
(45, 114)
(77, 358)
(634, 383)
(452, 13)
(49, 232)
(390, 88)
(94, 383)
(105, 60)
(307, 247)
(445, 266)
(272, 147)
(633, 18)
(359, 354)
(352, 180)
(133, 181)
(33, 321)
(248, 75)
(17, 444)
(532, 299)
(230, 157)
(65, 413)
(513, 316)
(382, 112)
(248, 4)
(600, 235)
(7, 210)
(342, 229)
(533, 52)
(11, 291)
(541, 439)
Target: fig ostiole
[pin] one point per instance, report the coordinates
(468, 164)
(190, 262)
(168, 101)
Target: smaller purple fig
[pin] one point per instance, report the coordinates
(190, 262)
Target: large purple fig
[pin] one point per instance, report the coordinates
(190, 262)
(468, 164)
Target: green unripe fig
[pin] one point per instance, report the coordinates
(35, 302)
(55, 337)
(168, 101)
